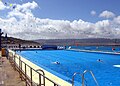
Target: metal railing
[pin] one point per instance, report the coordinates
(28, 76)
(83, 77)
(74, 77)
(92, 76)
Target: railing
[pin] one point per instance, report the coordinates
(83, 78)
(73, 77)
(92, 76)
(27, 73)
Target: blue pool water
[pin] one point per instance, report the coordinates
(73, 61)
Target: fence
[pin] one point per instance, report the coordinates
(31, 76)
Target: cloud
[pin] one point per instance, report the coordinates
(117, 20)
(23, 11)
(93, 13)
(2, 6)
(22, 23)
(36, 28)
(107, 14)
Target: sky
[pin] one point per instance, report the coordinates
(60, 19)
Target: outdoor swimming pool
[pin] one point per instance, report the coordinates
(72, 61)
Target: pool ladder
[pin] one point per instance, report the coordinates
(83, 78)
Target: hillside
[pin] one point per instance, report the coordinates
(12, 40)
(90, 41)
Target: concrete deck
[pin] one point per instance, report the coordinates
(8, 76)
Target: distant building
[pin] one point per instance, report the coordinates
(23, 46)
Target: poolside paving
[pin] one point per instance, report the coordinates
(8, 76)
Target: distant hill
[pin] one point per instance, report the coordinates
(11, 40)
(90, 41)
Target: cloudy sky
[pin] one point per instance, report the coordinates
(60, 19)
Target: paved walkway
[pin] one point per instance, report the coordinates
(8, 76)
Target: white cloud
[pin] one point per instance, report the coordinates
(107, 14)
(117, 20)
(93, 13)
(23, 11)
(2, 6)
(29, 5)
(30, 27)
(35, 28)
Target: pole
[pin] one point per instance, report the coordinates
(0, 38)
(6, 40)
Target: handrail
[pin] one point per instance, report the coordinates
(29, 79)
(41, 71)
(92, 76)
(40, 76)
(83, 78)
(74, 77)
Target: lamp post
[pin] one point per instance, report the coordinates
(0, 38)
(6, 40)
